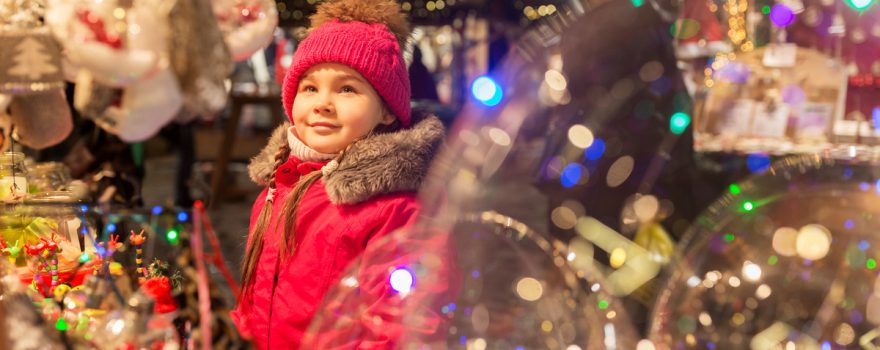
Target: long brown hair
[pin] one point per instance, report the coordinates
(289, 210)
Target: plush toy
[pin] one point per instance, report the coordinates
(112, 45)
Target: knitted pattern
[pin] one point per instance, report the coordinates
(370, 49)
(305, 153)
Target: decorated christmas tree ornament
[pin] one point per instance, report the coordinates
(31, 62)
(200, 58)
(247, 25)
(41, 120)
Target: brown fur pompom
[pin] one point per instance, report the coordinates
(387, 12)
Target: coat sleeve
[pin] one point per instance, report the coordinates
(382, 317)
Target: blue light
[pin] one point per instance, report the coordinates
(487, 91)
(182, 216)
(101, 251)
(520, 348)
(571, 175)
(758, 162)
(864, 245)
(111, 227)
(849, 224)
(847, 173)
(462, 340)
(875, 117)
(826, 345)
(596, 150)
(401, 280)
(84, 208)
(475, 273)
(877, 186)
(157, 210)
(451, 306)
(864, 186)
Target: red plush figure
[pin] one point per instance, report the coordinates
(160, 289)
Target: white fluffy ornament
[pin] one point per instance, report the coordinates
(116, 44)
(247, 25)
(148, 103)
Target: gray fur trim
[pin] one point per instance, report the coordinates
(380, 164)
(261, 166)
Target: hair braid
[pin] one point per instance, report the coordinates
(252, 255)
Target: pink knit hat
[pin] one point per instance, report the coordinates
(356, 33)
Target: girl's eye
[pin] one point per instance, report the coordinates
(348, 89)
(309, 88)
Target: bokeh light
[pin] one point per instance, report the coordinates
(788, 271)
(487, 91)
(781, 15)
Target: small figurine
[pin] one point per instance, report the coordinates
(138, 240)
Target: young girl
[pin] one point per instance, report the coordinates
(342, 177)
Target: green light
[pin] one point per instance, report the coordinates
(84, 258)
(859, 5)
(172, 235)
(748, 206)
(729, 237)
(638, 3)
(734, 189)
(773, 260)
(61, 325)
(871, 264)
(765, 9)
(679, 122)
(603, 304)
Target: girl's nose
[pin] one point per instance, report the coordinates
(324, 106)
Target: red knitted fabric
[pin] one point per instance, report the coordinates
(370, 49)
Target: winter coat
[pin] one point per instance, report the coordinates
(371, 194)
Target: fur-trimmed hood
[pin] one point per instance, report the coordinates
(379, 164)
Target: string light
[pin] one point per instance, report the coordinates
(736, 22)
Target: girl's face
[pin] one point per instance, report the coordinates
(334, 106)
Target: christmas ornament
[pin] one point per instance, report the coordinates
(200, 58)
(5, 123)
(111, 46)
(247, 25)
(31, 62)
(118, 42)
(40, 120)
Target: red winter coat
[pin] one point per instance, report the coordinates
(370, 194)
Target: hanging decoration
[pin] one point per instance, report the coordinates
(247, 25)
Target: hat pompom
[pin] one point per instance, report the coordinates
(387, 12)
